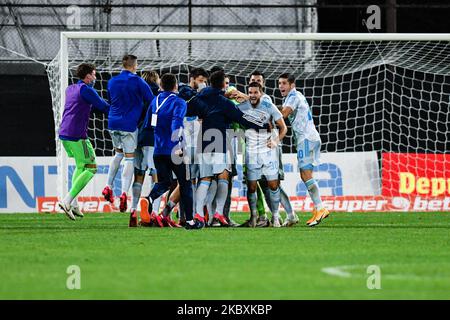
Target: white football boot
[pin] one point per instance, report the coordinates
(290, 221)
(67, 210)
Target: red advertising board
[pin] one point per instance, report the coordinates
(416, 174)
(300, 204)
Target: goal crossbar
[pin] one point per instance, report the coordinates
(259, 36)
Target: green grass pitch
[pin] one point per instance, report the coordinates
(326, 262)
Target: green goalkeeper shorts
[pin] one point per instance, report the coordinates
(81, 150)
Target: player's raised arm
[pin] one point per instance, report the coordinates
(91, 96)
(195, 108)
(247, 120)
(234, 94)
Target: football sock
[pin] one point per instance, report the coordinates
(212, 191)
(313, 190)
(260, 201)
(113, 168)
(168, 208)
(221, 196)
(78, 185)
(157, 204)
(127, 174)
(200, 196)
(194, 190)
(226, 208)
(136, 190)
(275, 202)
(67, 200)
(74, 202)
(75, 175)
(286, 203)
(251, 198)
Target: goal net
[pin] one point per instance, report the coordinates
(386, 96)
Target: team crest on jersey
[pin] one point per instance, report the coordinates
(261, 116)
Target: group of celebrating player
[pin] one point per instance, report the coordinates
(187, 136)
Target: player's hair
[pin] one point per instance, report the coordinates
(255, 84)
(257, 73)
(168, 81)
(197, 72)
(216, 68)
(290, 77)
(217, 79)
(129, 60)
(84, 69)
(150, 76)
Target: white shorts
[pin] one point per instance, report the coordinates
(127, 141)
(143, 159)
(262, 164)
(214, 163)
(308, 154)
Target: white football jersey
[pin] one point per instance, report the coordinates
(191, 131)
(266, 111)
(301, 118)
(265, 96)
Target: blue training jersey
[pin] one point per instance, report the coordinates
(185, 92)
(127, 95)
(169, 123)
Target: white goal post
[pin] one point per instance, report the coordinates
(356, 83)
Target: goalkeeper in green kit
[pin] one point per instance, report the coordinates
(80, 97)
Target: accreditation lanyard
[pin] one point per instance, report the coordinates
(158, 106)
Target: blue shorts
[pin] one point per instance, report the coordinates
(308, 154)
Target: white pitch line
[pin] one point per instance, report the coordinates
(343, 272)
(338, 271)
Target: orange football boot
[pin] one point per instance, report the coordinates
(145, 214)
(318, 216)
